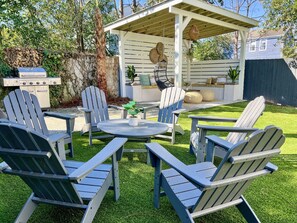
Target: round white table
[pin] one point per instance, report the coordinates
(141, 133)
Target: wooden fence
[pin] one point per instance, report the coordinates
(271, 78)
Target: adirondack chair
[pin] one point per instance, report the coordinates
(95, 109)
(243, 125)
(29, 155)
(170, 108)
(23, 108)
(200, 189)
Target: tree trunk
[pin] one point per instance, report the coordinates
(122, 8)
(100, 52)
(236, 40)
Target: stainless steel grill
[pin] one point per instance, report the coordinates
(34, 80)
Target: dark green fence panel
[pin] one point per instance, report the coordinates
(271, 78)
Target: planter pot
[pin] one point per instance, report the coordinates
(133, 122)
(232, 92)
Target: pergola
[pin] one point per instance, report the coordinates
(177, 17)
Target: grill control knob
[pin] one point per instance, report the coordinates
(24, 83)
(44, 82)
(55, 82)
(37, 82)
(31, 83)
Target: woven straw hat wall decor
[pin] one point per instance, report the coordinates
(194, 32)
(154, 56)
(157, 54)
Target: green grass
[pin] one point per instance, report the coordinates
(272, 197)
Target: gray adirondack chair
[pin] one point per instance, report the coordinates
(200, 189)
(95, 109)
(170, 108)
(243, 126)
(29, 155)
(23, 108)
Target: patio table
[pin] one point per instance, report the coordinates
(141, 133)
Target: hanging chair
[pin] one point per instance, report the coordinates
(161, 78)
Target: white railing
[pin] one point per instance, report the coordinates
(201, 70)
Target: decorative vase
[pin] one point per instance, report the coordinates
(133, 121)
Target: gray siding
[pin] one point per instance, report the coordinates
(273, 50)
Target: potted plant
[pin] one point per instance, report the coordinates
(131, 73)
(187, 84)
(133, 110)
(232, 91)
(233, 74)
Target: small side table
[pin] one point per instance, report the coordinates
(141, 133)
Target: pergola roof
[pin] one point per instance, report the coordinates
(159, 20)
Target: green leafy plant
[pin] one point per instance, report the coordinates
(132, 108)
(233, 74)
(131, 73)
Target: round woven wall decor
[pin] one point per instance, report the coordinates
(160, 48)
(154, 56)
(194, 32)
(163, 57)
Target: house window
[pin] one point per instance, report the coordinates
(263, 45)
(253, 45)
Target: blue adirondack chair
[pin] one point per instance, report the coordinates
(23, 108)
(170, 107)
(243, 126)
(200, 189)
(29, 155)
(95, 109)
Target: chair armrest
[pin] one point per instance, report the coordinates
(111, 148)
(59, 115)
(159, 152)
(226, 128)
(116, 107)
(84, 109)
(212, 118)
(271, 167)
(3, 166)
(217, 141)
(56, 137)
(150, 107)
(177, 112)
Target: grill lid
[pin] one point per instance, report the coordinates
(31, 72)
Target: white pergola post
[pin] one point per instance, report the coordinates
(122, 74)
(180, 25)
(178, 50)
(243, 38)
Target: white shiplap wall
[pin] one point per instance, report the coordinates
(201, 70)
(136, 52)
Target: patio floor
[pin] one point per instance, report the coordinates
(57, 124)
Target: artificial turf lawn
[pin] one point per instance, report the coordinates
(273, 197)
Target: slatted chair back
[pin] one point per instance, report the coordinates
(94, 99)
(171, 100)
(23, 108)
(244, 162)
(31, 157)
(248, 118)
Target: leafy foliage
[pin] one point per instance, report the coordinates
(5, 69)
(233, 73)
(53, 64)
(215, 48)
(49, 24)
(131, 72)
(132, 108)
(282, 14)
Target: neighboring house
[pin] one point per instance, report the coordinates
(264, 45)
